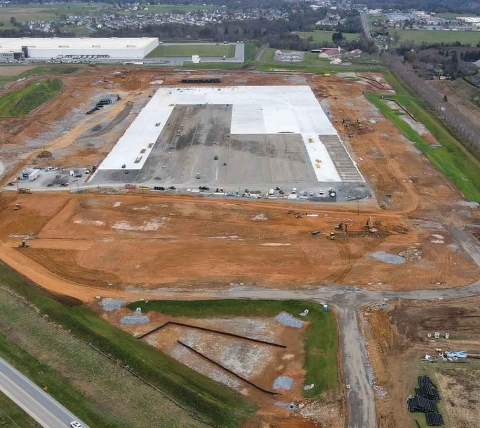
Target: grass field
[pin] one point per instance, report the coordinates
(251, 50)
(166, 8)
(452, 159)
(321, 341)
(438, 36)
(184, 50)
(324, 36)
(313, 64)
(214, 66)
(13, 416)
(374, 18)
(46, 12)
(452, 15)
(211, 401)
(467, 91)
(23, 101)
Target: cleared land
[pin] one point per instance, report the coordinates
(451, 158)
(14, 70)
(306, 355)
(437, 36)
(320, 341)
(397, 338)
(92, 385)
(23, 101)
(155, 246)
(324, 36)
(184, 50)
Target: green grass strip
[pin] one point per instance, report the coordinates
(452, 159)
(23, 101)
(58, 387)
(320, 344)
(211, 400)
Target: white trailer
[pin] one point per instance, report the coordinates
(33, 175)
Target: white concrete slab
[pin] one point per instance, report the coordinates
(247, 119)
(321, 162)
(256, 110)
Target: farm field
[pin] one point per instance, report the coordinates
(438, 36)
(46, 12)
(184, 50)
(324, 36)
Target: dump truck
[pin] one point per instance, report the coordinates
(24, 190)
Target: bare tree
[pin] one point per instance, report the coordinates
(468, 132)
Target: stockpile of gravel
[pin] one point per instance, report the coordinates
(110, 304)
(283, 382)
(135, 319)
(289, 320)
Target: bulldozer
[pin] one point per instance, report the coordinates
(23, 244)
(24, 190)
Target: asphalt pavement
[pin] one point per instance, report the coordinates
(48, 412)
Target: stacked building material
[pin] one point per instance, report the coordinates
(427, 389)
(434, 419)
(425, 401)
(420, 404)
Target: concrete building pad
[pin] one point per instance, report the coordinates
(266, 125)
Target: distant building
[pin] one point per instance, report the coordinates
(331, 52)
(47, 48)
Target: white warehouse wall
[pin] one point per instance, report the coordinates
(150, 47)
(115, 47)
(47, 53)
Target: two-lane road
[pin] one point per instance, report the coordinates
(48, 412)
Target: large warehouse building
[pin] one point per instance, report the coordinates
(47, 48)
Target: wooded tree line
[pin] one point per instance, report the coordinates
(469, 132)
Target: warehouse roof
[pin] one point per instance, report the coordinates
(15, 44)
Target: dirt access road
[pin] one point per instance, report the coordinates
(346, 301)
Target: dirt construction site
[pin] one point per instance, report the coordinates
(397, 226)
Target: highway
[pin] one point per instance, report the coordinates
(48, 412)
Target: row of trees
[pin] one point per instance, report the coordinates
(460, 124)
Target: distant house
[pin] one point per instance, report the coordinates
(331, 52)
(356, 53)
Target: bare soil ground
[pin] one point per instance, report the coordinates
(121, 241)
(259, 363)
(397, 338)
(126, 245)
(117, 242)
(14, 70)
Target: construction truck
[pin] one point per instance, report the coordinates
(24, 190)
(23, 244)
